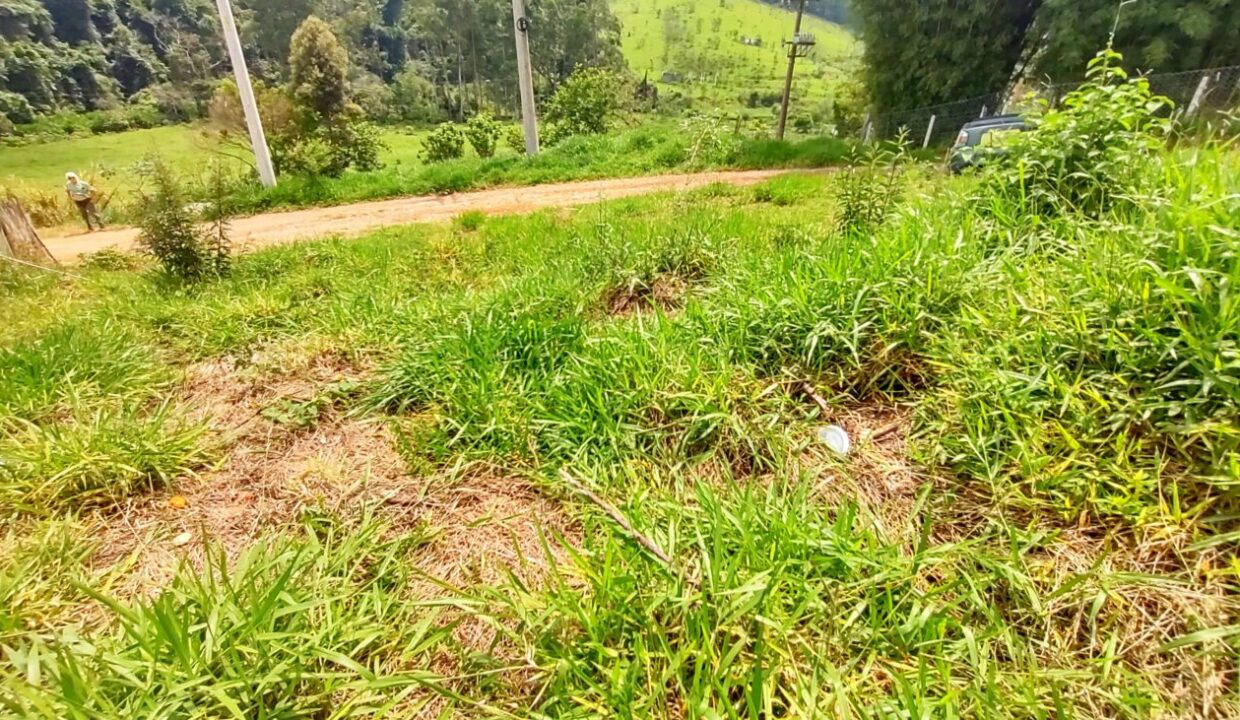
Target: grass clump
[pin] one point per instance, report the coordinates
(98, 459)
(305, 627)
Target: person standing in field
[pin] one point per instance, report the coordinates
(83, 195)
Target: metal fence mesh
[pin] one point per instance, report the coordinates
(1196, 93)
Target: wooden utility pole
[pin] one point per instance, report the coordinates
(793, 50)
(525, 75)
(258, 138)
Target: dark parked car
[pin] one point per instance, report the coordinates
(982, 139)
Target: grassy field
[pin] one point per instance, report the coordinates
(710, 40)
(113, 161)
(567, 465)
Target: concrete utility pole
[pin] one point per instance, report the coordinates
(793, 51)
(525, 73)
(258, 139)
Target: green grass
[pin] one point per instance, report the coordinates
(1055, 536)
(644, 150)
(713, 30)
(115, 162)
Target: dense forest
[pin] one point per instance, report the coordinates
(445, 54)
(937, 51)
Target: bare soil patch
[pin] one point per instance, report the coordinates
(352, 220)
(484, 521)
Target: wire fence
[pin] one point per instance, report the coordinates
(1196, 94)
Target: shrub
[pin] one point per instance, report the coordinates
(375, 98)
(173, 102)
(446, 142)
(483, 134)
(514, 137)
(275, 108)
(170, 233)
(1090, 153)
(16, 107)
(108, 122)
(588, 102)
(415, 98)
(7, 127)
(143, 115)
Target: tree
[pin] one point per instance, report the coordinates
(568, 34)
(270, 24)
(318, 69)
(588, 102)
(935, 51)
(330, 134)
(1161, 36)
(72, 20)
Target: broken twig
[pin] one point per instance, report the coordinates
(614, 513)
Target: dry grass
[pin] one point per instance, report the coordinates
(484, 523)
(665, 293)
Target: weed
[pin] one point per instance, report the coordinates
(1096, 150)
(470, 221)
(871, 187)
(110, 259)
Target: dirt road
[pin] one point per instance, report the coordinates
(352, 220)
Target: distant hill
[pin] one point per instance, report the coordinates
(727, 50)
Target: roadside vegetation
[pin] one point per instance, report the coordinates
(566, 465)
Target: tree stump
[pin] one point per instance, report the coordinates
(18, 238)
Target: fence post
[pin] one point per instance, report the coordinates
(929, 132)
(1195, 104)
(984, 108)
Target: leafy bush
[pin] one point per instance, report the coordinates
(7, 128)
(514, 137)
(445, 142)
(1089, 154)
(16, 107)
(173, 102)
(143, 115)
(169, 232)
(415, 98)
(588, 102)
(483, 134)
(375, 97)
(108, 122)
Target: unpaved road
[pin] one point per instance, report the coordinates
(352, 220)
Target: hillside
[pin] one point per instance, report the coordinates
(702, 42)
